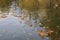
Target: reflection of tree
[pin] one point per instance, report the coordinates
(33, 7)
(53, 19)
(3, 3)
(30, 5)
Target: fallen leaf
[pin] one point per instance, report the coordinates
(22, 18)
(3, 16)
(15, 15)
(30, 25)
(49, 31)
(42, 33)
(5, 30)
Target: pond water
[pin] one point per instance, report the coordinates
(13, 28)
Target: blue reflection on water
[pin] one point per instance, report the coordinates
(18, 30)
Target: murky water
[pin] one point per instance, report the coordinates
(13, 28)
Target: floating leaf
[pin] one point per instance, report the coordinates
(42, 33)
(15, 15)
(30, 25)
(5, 30)
(3, 16)
(22, 18)
(49, 31)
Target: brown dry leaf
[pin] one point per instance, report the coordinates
(42, 33)
(30, 25)
(3, 16)
(5, 30)
(49, 31)
(22, 18)
(15, 15)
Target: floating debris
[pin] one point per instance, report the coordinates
(15, 15)
(30, 25)
(22, 18)
(42, 33)
(49, 31)
(3, 16)
(5, 30)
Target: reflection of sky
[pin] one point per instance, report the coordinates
(17, 30)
